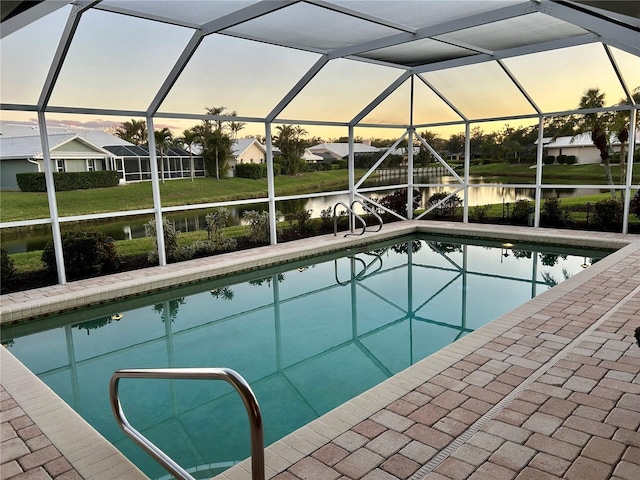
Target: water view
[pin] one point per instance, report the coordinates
(193, 220)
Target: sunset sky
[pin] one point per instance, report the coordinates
(119, 62)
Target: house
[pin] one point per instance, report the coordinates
(248, 150)
(68, 151)
(581, 146)
(84, 150)
(310, 157)
(340, 151)
(133, 164)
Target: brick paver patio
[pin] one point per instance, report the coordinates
(549, 391)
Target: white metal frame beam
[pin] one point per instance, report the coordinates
(611, 32)
(32, 14)
(440, 29)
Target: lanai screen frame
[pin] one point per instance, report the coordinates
(606, 31)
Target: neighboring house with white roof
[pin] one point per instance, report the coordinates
(340, 151)
(581, 146)
(246, 150)
(310, 157)
(69, 153)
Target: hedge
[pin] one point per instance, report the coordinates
(251, 170)
(548, 160)
(64, 181)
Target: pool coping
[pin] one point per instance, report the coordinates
(97, 458)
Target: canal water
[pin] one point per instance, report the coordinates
(193, 220)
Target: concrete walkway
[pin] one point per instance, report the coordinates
(550, 390)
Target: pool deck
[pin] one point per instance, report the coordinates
(549, 390)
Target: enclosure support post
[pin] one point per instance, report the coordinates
(155, 188)
(271, 190)
(467, 163)
(539, 151)
(633, 115)
(410, 156)
(51, 195)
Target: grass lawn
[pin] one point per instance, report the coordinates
(573, 174)
(27, 205)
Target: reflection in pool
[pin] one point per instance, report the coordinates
(307, 337)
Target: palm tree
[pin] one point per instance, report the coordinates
(620, 124)
(235, 127)
(190, 138)
(291, 144)
(134, 131)
(597, 125)
(163, 139)
(216, 142)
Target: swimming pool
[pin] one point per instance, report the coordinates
(307, 337)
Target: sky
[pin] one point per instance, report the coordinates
(118, 62)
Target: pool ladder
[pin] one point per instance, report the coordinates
(230, 376)
(353, 216)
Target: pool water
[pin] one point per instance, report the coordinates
(307, 337)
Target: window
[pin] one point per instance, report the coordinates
(91, 165)
(60, 166)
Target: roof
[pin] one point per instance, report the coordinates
(242, 145)
(309, 156)
(93, 136)
(30, 146)
(436, 45)
(143, 151)
(341, 150)
(581, 140)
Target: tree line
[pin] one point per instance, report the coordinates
(214, 139)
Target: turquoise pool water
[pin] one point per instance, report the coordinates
(307, 337)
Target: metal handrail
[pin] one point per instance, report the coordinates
(353, 214)
(230, 376)
(370, 210)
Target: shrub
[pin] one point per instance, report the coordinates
(258, 223)
(635, 204)
(448, 207)
(65, 181)
(571, 160)
(301, 218)
(553, 214)
(480, 213)
(173, 251)
(85, 253)
(7, 270)
(326, 218)
(342, 164)
(216, 222)
(608, 214)
(397, 202)
(520, 213)
(251, 170)
(562, 159)
(548, 160)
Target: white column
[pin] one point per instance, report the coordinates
(271, 189)
(467, 163)
(410, 156)
(633, 115)
(536, 222)
(155, 187)
(410, 174)
(51, 196)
